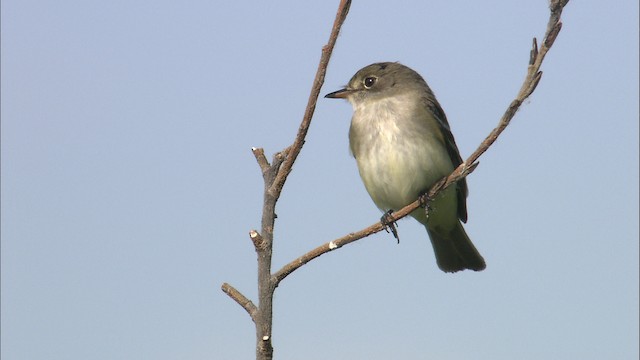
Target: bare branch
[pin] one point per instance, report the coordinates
(261, 159)
(241, 300)
(294, 150)
(257, 239)
(325, 248)
(529, 85)
(553, 29)
(458, 174)
(274, 176)
(276, 173)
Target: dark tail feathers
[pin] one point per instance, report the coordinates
(455, 251)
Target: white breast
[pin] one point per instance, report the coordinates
(398, 157)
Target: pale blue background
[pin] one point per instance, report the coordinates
(129, 187)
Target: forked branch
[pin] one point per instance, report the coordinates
(275, 174)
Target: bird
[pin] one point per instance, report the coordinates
(402, 144)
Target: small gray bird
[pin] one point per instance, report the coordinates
(402, 143)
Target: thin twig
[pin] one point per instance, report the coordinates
(241, 300)
(529, 84)
(275, 175)
(261, 159)
(294, 150)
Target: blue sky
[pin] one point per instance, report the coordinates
(129, 187)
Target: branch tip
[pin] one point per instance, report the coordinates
(534, 52)
(258, 153)
(318, 81)
(553, 34)
(257, 239)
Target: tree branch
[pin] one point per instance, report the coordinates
(294, 150)
(274, 176)
(528, 86)
(276, 173)
(261, 159)
(241, 300)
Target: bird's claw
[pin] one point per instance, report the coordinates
(425, 202)
(387, 222)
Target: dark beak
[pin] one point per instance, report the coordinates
(340, 94)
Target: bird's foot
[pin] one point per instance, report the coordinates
(425, 202)
(387, 222)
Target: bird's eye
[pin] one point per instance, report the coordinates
(368, 82)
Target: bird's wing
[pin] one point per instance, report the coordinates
(454, 155)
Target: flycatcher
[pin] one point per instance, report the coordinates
(402, 143)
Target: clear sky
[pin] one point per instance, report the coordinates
(129, 187)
